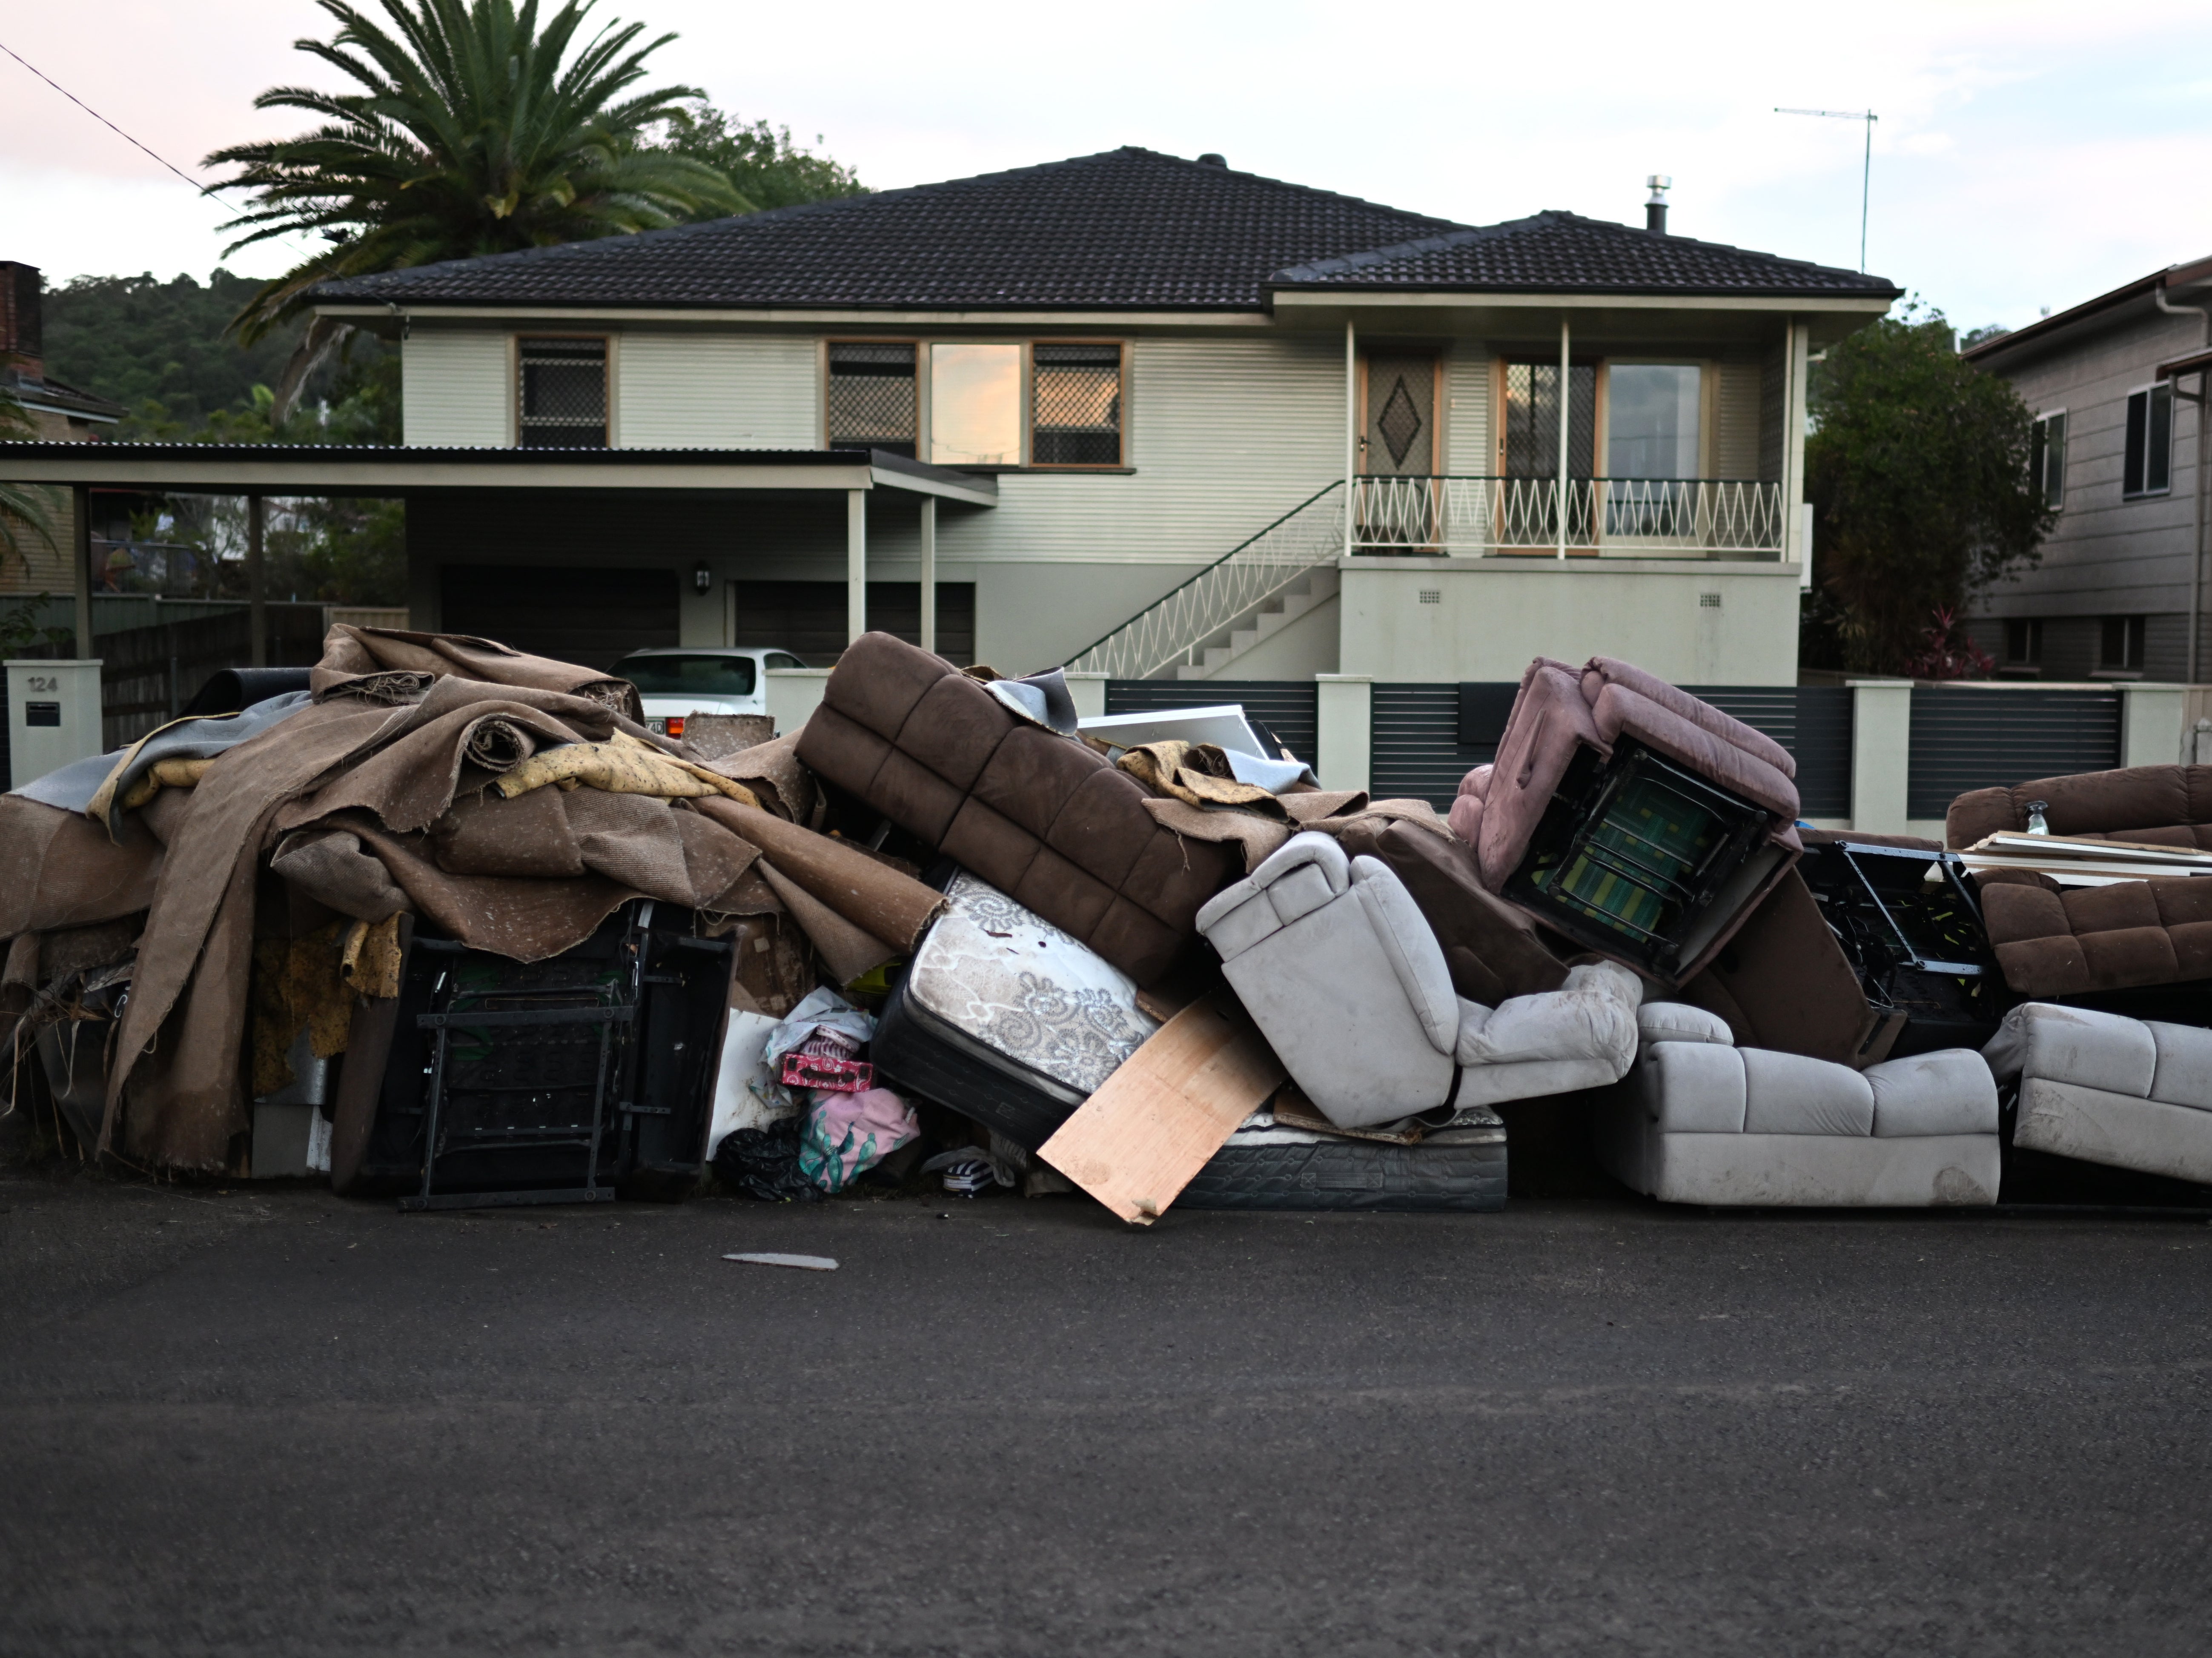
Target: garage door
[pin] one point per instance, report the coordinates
(588, 617)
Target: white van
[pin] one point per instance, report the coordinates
(675, 681)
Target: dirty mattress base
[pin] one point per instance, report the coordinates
(1275, 1167)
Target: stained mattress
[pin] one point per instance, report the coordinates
(1271, 1165)
(1005, 1018)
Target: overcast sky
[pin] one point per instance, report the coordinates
(2028, 153)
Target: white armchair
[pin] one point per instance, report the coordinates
(1345, 979)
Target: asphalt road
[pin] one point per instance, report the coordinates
(276, 1422)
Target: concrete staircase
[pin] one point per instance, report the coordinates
(1262, 622)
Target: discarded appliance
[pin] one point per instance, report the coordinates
(1699, 1119)
(563, 1080)
(1335, 965)
(1629, 815)
(2105, 1088)
(1004, 1018)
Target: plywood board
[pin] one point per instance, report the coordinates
(1138, 1141)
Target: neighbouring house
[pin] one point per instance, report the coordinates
(2117, 384)
(1151, 416)
(59, 414)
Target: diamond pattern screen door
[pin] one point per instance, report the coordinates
(1399, 442)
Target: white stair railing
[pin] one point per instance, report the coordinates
(1177, 628)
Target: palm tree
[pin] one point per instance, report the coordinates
(474, 131)
(20, 503)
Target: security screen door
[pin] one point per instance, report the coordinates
(1398, 453)
(1530, 450)
(1401, 414)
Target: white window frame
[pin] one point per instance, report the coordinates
(2149, 394)
(2040, 446)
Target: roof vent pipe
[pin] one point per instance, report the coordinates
(1213, 158)
(1655, 209)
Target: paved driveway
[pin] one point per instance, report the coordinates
(275, 1422)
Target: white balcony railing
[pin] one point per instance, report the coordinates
(1657, 518)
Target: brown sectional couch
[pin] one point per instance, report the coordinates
(2054, 941)
(2160, 805)
(1046, 821)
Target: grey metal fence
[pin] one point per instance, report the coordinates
(1966, 739)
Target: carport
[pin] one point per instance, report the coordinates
(538, 483)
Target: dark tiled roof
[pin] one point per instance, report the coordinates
(1124, 229)
(1554, 252)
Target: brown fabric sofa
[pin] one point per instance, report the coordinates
(2161, 805)
(1046, 821)
(2053, 941)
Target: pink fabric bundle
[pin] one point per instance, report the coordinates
(848, 1134)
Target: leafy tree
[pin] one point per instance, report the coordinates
(761, 162)
(1918, 473)
(474, 131)
(134, 337)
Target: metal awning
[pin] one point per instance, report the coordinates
(242, 469)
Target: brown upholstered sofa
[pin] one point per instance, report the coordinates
(2160, 805)
(1046, 821)
(2074, 941)
(2071, 941)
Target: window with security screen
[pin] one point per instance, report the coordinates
(872, 398)
(563, 393)
(1075, 405)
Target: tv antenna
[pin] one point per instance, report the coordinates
(1866, 176)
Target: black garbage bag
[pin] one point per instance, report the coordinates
(763, 1163)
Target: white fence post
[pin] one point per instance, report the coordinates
(2151, 725)
(1343, 740)
(1088, 692)
(1881, 753)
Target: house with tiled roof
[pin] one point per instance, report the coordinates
(1151, 417)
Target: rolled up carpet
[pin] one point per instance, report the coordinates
(874, 897)
(499, 746)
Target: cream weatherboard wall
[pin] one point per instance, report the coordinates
(1695, 622)
(1225, 435)
(454, 387)
(687, 391)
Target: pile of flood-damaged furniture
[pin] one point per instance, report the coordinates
(449, 923)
